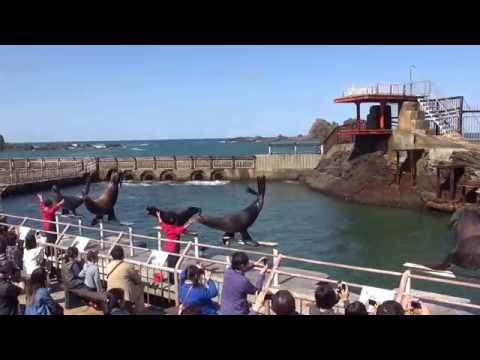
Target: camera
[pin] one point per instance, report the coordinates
(372, 302)
(341, 286)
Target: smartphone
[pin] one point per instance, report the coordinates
(372, 302)
(415, 304)
(265, 262)
(341, 286)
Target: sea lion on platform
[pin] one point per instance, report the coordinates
(104, 205)
(176, 217)
(71, 203)
(465, 224)
(239, 222)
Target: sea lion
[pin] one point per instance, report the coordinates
(71, 203)
(465, 224)
(239, 222)
(104, 205)
(176, 217)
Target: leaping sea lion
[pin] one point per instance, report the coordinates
(239, 222)
(104, 205)
(465, 223)
(71, 203)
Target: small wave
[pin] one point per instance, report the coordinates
(136, 183)
(202, 183)
(100, 146)
(143, 144)
(137, 149)
(291, 181)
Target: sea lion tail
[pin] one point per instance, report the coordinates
(88, 181)
(151, 210)
(261, 185)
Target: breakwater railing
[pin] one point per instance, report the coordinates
(26, 170)
(164, 168)
(102, 239)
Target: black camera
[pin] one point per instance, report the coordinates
(372, 302)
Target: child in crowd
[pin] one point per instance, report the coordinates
(90, 272)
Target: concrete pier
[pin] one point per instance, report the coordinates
(28, 175)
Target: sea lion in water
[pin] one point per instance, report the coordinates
(104, 205)
(465, 224)
(177, 217)
(71, 203)
(239, 222)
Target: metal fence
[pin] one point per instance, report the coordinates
(192, 252)
(26, 170)
(416, 88)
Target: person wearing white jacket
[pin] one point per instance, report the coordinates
(33, 256)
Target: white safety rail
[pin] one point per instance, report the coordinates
(141, 258)
(417, 88)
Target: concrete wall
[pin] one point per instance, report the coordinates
(158, 168)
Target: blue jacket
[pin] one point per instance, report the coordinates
(43, 304)
(201, 295)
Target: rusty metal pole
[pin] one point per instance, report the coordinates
(452, 183)
(412, 167)
(439, 193)
(398, 167)
(358, 115)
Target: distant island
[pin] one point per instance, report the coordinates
(262, 139)
(319, 130)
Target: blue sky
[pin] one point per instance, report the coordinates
(68, 93)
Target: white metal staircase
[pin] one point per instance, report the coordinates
(447, 119)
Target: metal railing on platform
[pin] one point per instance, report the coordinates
(416, 88)
(192, 251)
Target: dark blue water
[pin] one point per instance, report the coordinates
(151, 148)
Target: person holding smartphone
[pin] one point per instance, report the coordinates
(327, 297)
(198, 289)
(414, 306)
(236, 287)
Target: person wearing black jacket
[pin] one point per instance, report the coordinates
(8, 291)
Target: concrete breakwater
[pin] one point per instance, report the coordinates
(34, 174)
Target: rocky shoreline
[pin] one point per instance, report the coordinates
(367, 179)
(370, 179)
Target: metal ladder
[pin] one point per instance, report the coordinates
(446, 119)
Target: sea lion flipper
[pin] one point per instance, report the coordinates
(445, 264)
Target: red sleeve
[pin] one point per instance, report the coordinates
(180, 229)
(42, 205)
(56, 206)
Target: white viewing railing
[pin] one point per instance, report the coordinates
(104, 239)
